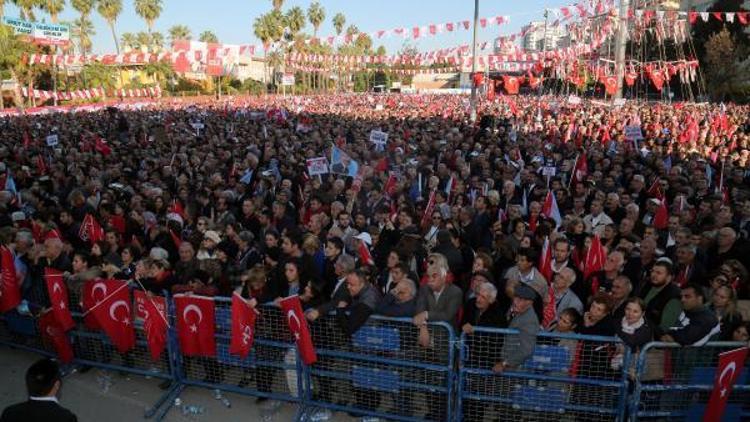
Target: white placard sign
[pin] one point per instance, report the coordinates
(317, 165)
(633, 133)
(378, 137)
(52, 140)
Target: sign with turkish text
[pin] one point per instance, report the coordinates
(317, 165)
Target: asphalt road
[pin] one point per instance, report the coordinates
(130, 395)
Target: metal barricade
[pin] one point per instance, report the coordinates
(381, 370)
(675, 382)
(567, 378)
(271, 370)
(19, 331)
(93, 349)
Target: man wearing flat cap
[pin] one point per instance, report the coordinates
(523, 318)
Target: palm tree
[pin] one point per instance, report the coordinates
(209, 37)
(128, 41)
(110, 10)
(179, 32)
(12, 49)
(295, 20)
(84, 28)
(26, 7)
(143, 40)
(267, 28)
(277, 4)
(338, 22)
(149, 10)
(53, 7)
(316, 15)
(157, 41)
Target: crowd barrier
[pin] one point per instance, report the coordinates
(568, 377)
(382, 371)
(674, 383)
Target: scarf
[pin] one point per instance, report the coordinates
(630, 329)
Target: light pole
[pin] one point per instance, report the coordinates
(473, 115)
(621, 40)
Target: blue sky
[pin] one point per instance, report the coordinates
(232, 20)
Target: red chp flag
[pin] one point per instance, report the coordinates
(243, 327)
(595, 258)
(511, 84)
(729, 369)
(58, 296)
(195, 325)
(91, 230)
(113, 313)
(10, 294)
(53, 333)
(89, 298)
(550, 208)
(292, 308)
(153, 311)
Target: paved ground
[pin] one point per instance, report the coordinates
(129, 396)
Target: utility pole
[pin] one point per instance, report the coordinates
(544, 49)
(473, 115)
(621, 40)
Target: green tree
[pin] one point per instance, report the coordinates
(157, 42)
(208, 36)
(294, 20)
(267, 28)
(26, 7)
(84, 29)
(110, 10)
(316, 14)
(143, 40)
(149, 11)
(702, 31)
(727, 67)
(179, 32)
(12, 49)
(129, 41)
(338, 22)
(53, 8)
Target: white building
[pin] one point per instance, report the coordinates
(538, 37)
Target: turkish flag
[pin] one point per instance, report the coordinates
(365, 258)
(152, 310)
(390, 185)
(113, 313)
(581, 169)
(630, 78)
(661, 217)
(53, 333)
(58, 296)
(10, 294)
(730, 367)
(243, 327)
(292, 308)
(89, 298)
(101, 147)
(610, 85)
(595, 258)
(545, 261)
(195, 325)
(511, 84)
(657, 79)
(41, 166)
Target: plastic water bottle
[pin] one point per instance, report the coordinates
(225, 401)
(217, 394)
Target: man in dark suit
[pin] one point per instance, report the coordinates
(343, 266)
(43, 382)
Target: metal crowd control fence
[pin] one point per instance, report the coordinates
(674, 383)
(381, 370)
(568, 378)
(271, 370)
(92, 348)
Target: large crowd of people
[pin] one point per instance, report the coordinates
(446, 221)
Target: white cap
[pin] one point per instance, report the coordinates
(365, 237)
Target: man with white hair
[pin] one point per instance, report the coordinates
(482, 310)
(728, 246)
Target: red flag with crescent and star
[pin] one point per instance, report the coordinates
(53, 333)
(58, 296)
(152, 310)
(729, 369)
(195, 325)
(292, 309)
(243, 327)
(10, 295)
(113, 312)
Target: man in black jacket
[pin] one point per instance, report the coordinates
(43, 382)
(696, 324)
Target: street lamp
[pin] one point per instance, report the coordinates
(473, 115)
